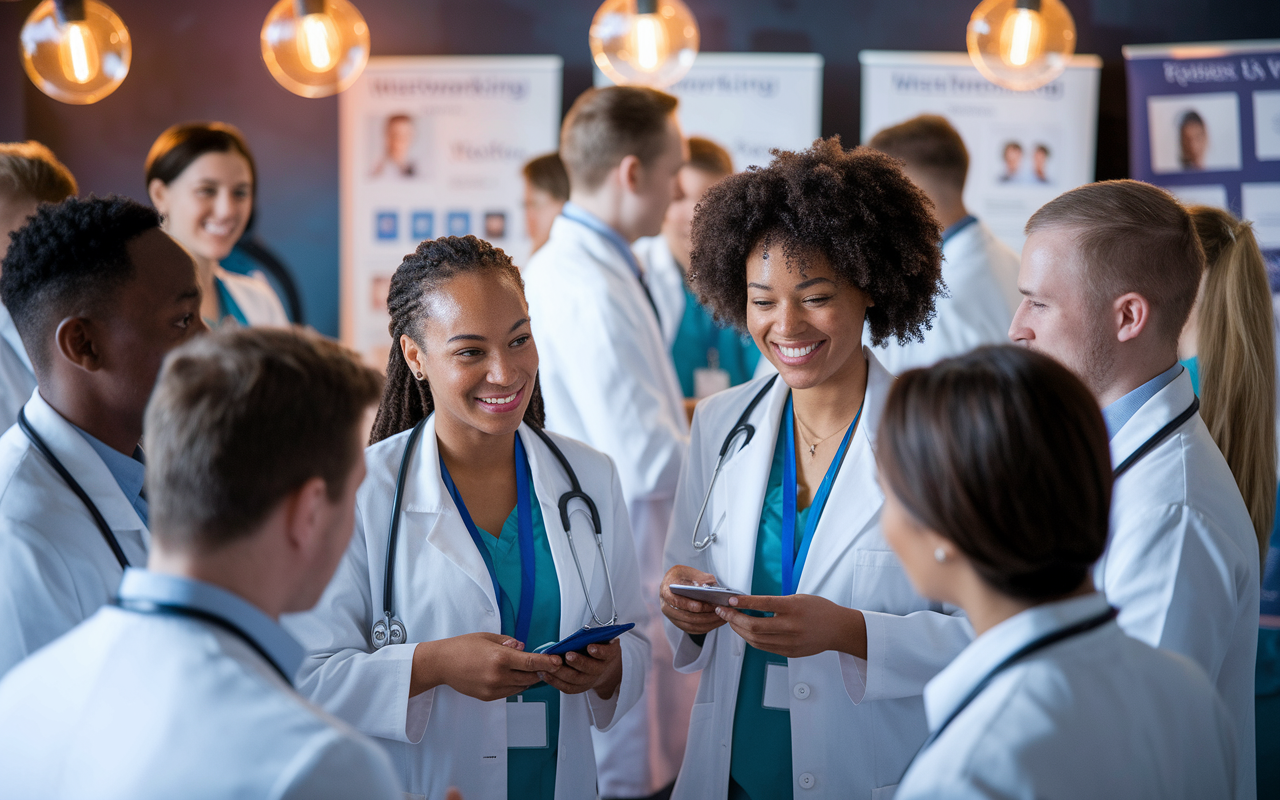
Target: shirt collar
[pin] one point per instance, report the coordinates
(1122, 410)
(130, 472)
(156, 587)
(957, 226)
(950, 686)
(584, 217)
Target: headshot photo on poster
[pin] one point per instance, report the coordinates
(1194, 132)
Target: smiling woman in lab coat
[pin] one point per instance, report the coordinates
(997, 477)
(464, 701)
(822, 699)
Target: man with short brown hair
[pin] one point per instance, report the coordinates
(182, 687)
(605, 370)
(30, 174)
(1109, 274)
(980, 271)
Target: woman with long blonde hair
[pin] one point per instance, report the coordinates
(1229, 346)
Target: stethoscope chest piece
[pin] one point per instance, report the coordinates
(389, 630)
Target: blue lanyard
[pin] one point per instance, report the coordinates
(957, 226)
(524, 516)
(793, 562)
(584, 217)
(227, 305)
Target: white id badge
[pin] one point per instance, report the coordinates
(777, 687)
(526, 724)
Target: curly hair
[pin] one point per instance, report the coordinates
(66, 257)
(856, 207)
(406, 400)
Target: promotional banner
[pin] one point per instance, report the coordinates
(1025, 148)
(1204, 122)
(433, 146)
(750, 102)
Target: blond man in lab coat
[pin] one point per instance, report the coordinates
(607, 375)
(1109, 274)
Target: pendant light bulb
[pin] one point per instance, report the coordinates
(315, 48)
(76, 51)
(1021, 44)
(644, 42)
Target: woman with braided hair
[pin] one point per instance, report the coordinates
(489, 564)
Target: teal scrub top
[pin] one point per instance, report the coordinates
(1192, 366)
(698, 334)
(760, 761)
(227, 307)
(531, 772)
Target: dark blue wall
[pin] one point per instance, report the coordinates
(200, 60)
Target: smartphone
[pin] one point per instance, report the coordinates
(715, 595)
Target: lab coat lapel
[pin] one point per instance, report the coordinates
(550, 482)
(855, 497)
(79, 458)
(9, 332)
(428, 506)
(741, 487)
(1157, 412)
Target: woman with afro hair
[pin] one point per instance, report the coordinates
(811, 682)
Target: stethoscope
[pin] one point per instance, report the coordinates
(75, 487)
(390, 630)
(740, 428)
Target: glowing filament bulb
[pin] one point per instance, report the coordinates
(650, 42)
(315, 42)
(1022, 35)
(79, 54)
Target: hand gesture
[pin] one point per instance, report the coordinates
(691, 616)
(486, 666)
(599, 668)
(801, 625)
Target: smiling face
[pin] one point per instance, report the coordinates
(804, 318)
(207, 207)
(476, 353)
(1058, 315)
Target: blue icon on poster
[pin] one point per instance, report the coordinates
(459, 223)
(423, 225)
(388, 226)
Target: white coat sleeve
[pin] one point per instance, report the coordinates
(636, 650)
(338, 767)
(342, 673)
(591, 353)
(694, 477)
(904, 652)
(1173, 585)
(38, 599)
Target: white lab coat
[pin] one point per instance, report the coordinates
(666, 283)
(255, 297)
(854, 724)
(981, 274)
(55, 567)
(138, 707)
(1098, 715)
(1182, 560)
(442, 738)
(608, 380)
(17, 376)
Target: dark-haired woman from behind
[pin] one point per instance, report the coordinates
(444, 674)
(822, 698)
(997, 478)
(202, 179)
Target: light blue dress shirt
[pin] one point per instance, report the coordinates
(155, 587)
(130, 473)
(1122, 410)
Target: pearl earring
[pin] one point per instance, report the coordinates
(940, 555)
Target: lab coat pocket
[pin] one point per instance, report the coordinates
(880, 584)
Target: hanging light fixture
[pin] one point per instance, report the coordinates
(76, 51)
(1021, 44)
(644, 42)
(315, 48)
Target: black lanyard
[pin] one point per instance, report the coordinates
(75, 487)
(1155, 440)
(1028, 649)
(178, 610)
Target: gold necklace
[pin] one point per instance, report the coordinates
(805, 439)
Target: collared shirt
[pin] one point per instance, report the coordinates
(130, 473)
(957, 226)
(156, 587)
(1122, 410)
(584, 217)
